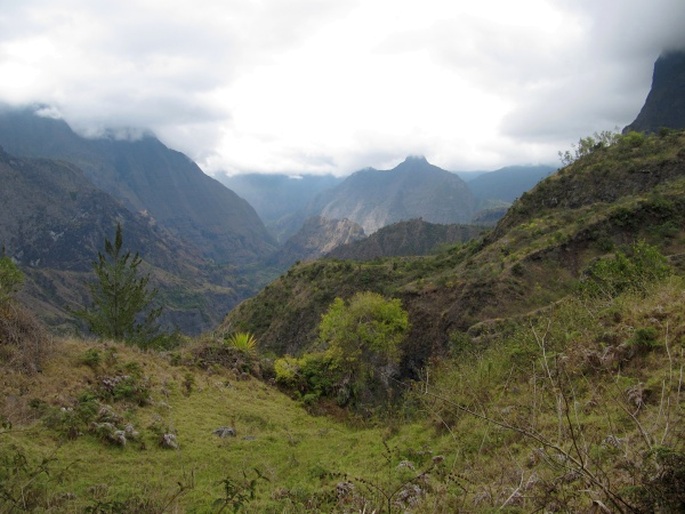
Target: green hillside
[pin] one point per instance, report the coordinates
(543, 372)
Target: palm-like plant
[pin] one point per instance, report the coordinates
(243, 341)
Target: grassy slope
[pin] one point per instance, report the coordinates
(294, 450)
(561, 409)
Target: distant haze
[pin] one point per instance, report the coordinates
(333, 86)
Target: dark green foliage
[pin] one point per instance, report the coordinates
(662, 485)
(25, 482)
(122, 303)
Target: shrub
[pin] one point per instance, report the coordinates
(11, 279)
(609, 277)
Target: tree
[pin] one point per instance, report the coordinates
(121, 301)
(363, 338)
(11, 278)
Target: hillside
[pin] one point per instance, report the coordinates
(413, 189)
(317, 237)
(406, 238)
(147, 177)
(534, 256)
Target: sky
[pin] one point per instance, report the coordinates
(334, 86)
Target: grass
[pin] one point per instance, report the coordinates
(298, 455)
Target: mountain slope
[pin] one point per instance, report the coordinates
(507, 184)
(406, 238)
(317, 237)
(54, 222)
(413, 189)
(533, 257)
(148, 177)
(280, 200)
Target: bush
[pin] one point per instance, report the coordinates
(11, 279)
(623, 272)
(24, 342)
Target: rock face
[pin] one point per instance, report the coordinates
(413, 189)
(317, 237)
(147, 177)
(665, 104)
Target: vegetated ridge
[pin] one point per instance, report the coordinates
(533, 257)
(405, 238)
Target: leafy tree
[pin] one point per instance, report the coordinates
(122, 303)
(363, 338)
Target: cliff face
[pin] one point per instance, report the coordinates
(665, 103)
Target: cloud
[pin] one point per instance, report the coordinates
(337, 85)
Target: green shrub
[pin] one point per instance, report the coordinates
(609, 277)
(11, 279)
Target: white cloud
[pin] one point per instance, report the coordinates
(337, 85)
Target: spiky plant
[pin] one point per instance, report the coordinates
(243, 341)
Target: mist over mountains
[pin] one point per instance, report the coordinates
(209, 246)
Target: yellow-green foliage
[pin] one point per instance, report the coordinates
(243, 341)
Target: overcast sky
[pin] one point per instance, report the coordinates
(338, 85)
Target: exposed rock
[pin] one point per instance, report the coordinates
(223, 432)
(168, 441)
(317, 237)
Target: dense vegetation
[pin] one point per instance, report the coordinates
(539, 368)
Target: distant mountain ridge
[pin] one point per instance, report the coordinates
(148, 177)
(413, 189)
(280, 200)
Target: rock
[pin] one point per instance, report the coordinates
(168, 441)
(224, 432)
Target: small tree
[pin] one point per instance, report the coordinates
(363, 338)
(121, 301)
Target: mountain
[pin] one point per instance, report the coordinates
(665, 103)
(533, 257)
(147, 177)
(413, 189)
(317, 237)
(405, 238)
(508, 183)
(279, 199)
(54, 222)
